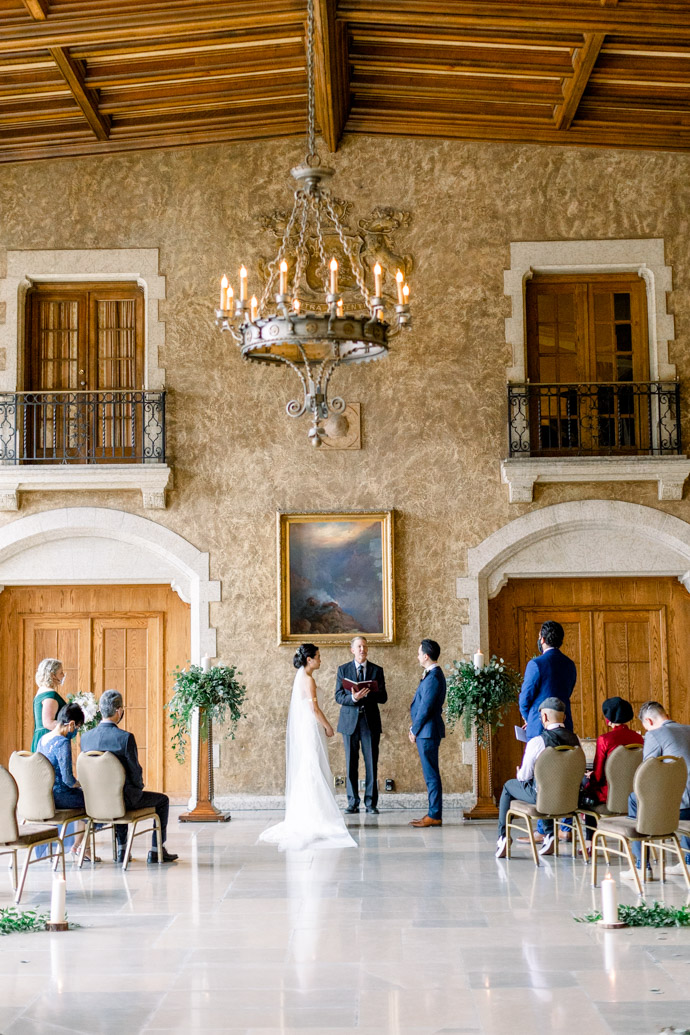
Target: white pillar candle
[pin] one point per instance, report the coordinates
(609, 900)
(478, 660)
(57, 901)
(205, 663)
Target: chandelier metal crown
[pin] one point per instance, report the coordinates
(313, 344)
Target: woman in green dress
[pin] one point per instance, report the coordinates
(47, 702)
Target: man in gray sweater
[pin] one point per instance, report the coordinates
(663, 736)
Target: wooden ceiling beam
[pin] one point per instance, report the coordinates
(104, 28)
(660, 21)
(583, 63)
(38, 9)
(86, 99)
(330, 73)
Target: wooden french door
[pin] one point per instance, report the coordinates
(627, 637)
(83, 339)
(126, 638)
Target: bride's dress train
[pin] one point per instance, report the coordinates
(312, 817)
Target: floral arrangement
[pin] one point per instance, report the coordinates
(215, 693)
(480, 696)
(89, 705)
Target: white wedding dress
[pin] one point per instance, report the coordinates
(312, 817)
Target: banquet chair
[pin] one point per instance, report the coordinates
(558, 774)
(102, 778)
(35, 776)
(11, 840)
(659, 785)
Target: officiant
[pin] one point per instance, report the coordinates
(359, 690)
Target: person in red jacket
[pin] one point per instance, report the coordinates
(617, 714)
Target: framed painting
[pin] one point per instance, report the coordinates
(335, 578)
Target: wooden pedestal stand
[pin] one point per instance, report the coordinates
(483, 780)
(204, 811)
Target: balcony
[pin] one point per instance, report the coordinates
(614, 431)
(83, 440)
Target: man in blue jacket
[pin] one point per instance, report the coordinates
(552, 674)
(427, 729)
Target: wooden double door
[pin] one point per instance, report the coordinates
(126, 638)
(627, 637)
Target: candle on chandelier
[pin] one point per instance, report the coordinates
(334, 276)
(377, 280)
(254, 305)
(243, 284)
(406, 293)
(224, 293)
(296, 304)
(399, 282)
(283, 277)
(340, 307)
(229, 297)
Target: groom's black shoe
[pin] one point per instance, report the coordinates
(372, 810)
(351, 808)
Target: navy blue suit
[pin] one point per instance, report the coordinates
(552, 674)
(109, 737)
(360, 725)
(426, 712)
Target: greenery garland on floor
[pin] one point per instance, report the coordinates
(656, 915)
(14, 920)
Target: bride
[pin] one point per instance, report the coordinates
(312, 817)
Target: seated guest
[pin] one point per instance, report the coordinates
(617, 714)
(56, 746)
(108, 737)
(554, 733)
(663, 736)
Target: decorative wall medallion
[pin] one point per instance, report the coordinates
(344, 430)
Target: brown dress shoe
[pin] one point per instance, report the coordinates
(427, 821)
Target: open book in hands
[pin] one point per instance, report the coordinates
(370, 686)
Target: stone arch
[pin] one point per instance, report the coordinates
(583, 538)
(74, 545)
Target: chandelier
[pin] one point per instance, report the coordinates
(275, 328)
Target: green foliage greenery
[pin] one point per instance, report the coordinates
(656, 915)
(14, 920)
(218, 694)
(480, 697)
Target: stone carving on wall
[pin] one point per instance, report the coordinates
(343, 430)
(373, 240)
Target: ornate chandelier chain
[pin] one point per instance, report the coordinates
(314, 344)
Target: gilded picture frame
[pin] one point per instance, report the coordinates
(335, 577)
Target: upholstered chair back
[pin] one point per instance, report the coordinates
(621, 766)
(35, 776)
(8, 807)
(102, 778)
(558, 774)
(659, 786)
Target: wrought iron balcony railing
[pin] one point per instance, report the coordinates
(82, 427)
(640, 418)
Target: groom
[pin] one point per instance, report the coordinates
(360, 724)
(427, 729)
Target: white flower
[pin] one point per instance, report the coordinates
(88, 704)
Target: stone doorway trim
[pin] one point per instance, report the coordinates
(97, 545)
(587, 538)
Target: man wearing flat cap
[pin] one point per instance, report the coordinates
(552, 712)
(618, 713)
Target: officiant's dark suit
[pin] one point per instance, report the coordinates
(360, 725)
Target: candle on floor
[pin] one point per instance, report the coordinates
(609, 900)
(205, 663)
(57, 901)
(478, 660)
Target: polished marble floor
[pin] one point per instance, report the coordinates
(420, 932)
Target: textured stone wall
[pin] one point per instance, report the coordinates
(433, 412)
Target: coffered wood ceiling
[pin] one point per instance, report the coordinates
(97, 76)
